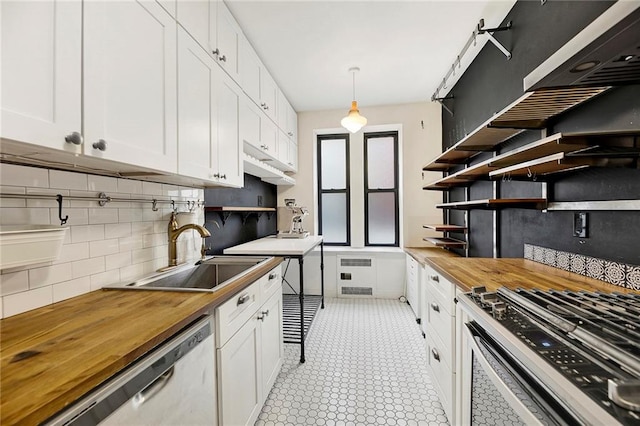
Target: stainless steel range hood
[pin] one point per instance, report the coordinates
(605, 53)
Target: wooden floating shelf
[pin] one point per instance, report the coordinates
(497, 203)
(531, 111)
(445, 242)
(447, 228)
(239, 209)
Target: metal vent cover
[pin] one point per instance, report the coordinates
(355, 262)
(358, 291)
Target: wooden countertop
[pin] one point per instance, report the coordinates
(422, 253)
(52, 356)
(467, 272)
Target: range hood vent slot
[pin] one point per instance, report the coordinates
(605, 53)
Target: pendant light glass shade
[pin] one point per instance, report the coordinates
(353, 122)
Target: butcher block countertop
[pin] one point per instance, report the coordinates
(467, 272)
(422, 253)
(52, 356)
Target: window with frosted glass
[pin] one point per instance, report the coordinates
(333, 188)
(381, 189)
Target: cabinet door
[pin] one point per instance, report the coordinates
(283, 112)
(250, 118)
(198, 17)
(268, 94)
(249, 70)
(130, 83)
(283, 148)
(41, 72)
(271, 339)
(293, 156)
(230, 167)
(228, 42)
(196, 110)
(269, 137)
(240, 376)
(292, 124)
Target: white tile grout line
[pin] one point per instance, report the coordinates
(365, 365)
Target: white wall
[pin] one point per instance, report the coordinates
(103, 245)
(419, 145)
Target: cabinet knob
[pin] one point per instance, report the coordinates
(291, 164)
(216, 52)
(265, 313)
(223, 177)
(290, 133)
(263, 105)
(74, 138)
(260, 317)
(435, 278)
(435, 354)
(435, 307)
(222, 58)
(264, 147)
(273, 276)
(101, 145)
(216, 175)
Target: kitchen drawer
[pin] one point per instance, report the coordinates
(233, 313)
(442, 290)
(442, 375)
(443, 325)
(271, 283)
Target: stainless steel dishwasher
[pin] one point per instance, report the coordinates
(173, 384)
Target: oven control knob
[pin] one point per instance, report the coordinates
(499, 310)
(477, 291)
(489, 297)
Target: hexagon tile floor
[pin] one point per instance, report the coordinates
(365, 365)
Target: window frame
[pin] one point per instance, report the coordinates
(346, 191)
(396, 178)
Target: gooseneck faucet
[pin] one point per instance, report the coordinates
(174, 233)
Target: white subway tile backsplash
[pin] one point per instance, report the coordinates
(132, 272)
(46, 202)
(129, 186)
(117, 230)
(27, 300)
(82, 268)
(105, 278)
(101, 215)
(102, 184)
(170, 190)
(76, 216)
(117, 261)
(40, 277)
(133, 242)
(152, 188)
(67, 180)
(81, 234)
(12, 202)
(128, 215)
(24, 216)
(152, 240)
(142, 255)
(73, 252)
(14, 175)
(83, 203)
(150, 215)
(140, 228)
(103, 247)
(14, 282)
(72, 288)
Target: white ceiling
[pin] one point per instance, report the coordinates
(403, 48)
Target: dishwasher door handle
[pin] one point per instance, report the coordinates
(153, 388)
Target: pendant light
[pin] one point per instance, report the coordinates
(354, 121)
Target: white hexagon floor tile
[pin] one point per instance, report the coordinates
(365, 365)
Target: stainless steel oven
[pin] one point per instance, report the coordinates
(522, 365)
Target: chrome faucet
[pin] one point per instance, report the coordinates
(174, 233)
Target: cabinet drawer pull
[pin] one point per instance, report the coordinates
(435, 307)
(216, 52)
(243, 299)
(155, 387)
(74, 138)
(265, 313)
(101, 145)
(435, 354)
(223, 58)
(435, 278)
(260, 317)
(273, 276)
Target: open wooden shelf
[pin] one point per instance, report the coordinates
(446, 228)
(497, 203)
(531, 111)
(445, 242)
(224, 212)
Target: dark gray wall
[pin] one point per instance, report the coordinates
(234, 231)
(490, 84)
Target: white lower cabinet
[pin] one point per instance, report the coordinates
(438, 324)
(249, 354)
(412, 289)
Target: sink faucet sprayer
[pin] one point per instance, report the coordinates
(174, 233)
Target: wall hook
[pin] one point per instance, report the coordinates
(63, 220)
(173, 206)
(154, 205)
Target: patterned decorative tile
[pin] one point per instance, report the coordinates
(528, 251)
(549, 256)
(365, 365)
(614, 273)
(538, 254)
(578, 263)
(594, 268)
(563, 260)
(633, 277)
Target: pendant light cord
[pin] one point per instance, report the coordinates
(354, 85)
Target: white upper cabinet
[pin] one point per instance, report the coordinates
(293, 156)
(228, 38)
(41, 72)
(229, 151)
(199, 18)
(170, 6)
(197, 84)
(130, 83)
(268, 94)
(250, 66)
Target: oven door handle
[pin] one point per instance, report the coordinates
(527, 417)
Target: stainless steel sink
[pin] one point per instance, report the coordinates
(207, 275)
